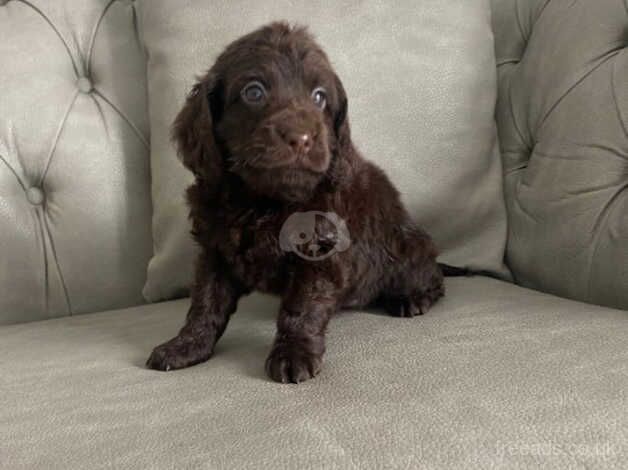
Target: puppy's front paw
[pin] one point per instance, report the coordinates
(292, 362)
(179, 352)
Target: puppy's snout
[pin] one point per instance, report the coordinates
(300, 142)
(294, 139)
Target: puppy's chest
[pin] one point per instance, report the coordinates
(249, 241)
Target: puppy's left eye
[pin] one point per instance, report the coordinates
(254, 93)
(319, 96)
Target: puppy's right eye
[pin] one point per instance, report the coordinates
(253, 93)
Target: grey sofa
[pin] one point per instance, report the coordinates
(497, 375)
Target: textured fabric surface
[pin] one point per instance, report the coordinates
(563, 124)
(421, 83)
(495, 376)
(74, 167)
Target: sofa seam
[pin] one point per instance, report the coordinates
(57, 136)
(511, 110)
(12, 170)
(57, 32)
(101, 113)
(46, 262)
(92, 40)
(602, 60)
(502, 62)
(519, 24)
(124, 117)
(57, 264)
(540, 14)
(602, 219)
(623, 123)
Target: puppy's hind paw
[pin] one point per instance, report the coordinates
(404, 307)
(413, 305)
(426, 299)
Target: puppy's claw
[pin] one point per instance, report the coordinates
(403, 307)
(178, 353)
(291, 364)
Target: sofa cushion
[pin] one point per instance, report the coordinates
(495, 376)
(563, 124)
(74, 170)
(421, 83)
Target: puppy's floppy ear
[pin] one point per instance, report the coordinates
(341, 118)
(193, 130)
(343, 154)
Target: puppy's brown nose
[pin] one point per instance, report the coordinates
(300, 142)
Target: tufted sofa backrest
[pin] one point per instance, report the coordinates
(74, 175)
(74, 178)
(563, 123)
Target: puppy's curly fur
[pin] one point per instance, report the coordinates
(266, 134)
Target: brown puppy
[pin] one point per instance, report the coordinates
(284, 203)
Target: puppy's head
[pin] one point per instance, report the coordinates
(272, 111)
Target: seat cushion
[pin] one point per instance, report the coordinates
(563, 125)
(495, 376)
(421, 83)
(74, 170)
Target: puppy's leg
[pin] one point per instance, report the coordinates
(214, 299)
(299, 345)
(417, 283)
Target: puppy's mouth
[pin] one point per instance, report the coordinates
(284, 183)
(281, 174)
(288, 161)
(288, 184)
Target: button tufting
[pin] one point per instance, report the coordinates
(35, 195)
(84, 85)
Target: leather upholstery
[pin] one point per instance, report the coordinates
(74, 175)
(563, 124)
(495, 376)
